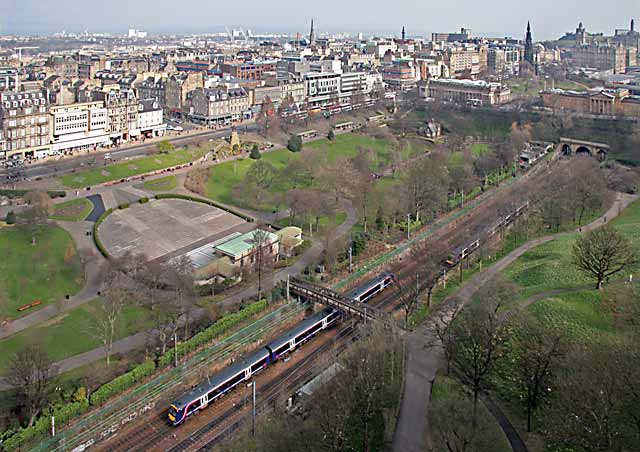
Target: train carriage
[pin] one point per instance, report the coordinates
(370, 289)
(201, 396)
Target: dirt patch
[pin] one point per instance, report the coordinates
(105, 173)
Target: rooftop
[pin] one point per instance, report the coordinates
(243, 244)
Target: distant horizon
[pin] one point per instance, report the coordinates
(504, 18)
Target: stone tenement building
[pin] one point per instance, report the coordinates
(474, 92)
(604, 57)
(600, 101)
(24, 122)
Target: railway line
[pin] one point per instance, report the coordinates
(230, 412)
(156, 434)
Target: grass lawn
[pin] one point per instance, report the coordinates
(162, 184)
(546, 267)
(577, 314)
(226, 176)
(131, 168)
(549, 266)
(70, 334)
(480, 149)
(46, 272)
(74, 210)
(325, 223)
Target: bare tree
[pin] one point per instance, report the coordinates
(180, 275)
(106, 315)
(537, 357)
(408, 294)
(260, 243)
(602, 253)
(591, 407)
(31, 373)
(480, 337)
(452, 424)
(40, 208)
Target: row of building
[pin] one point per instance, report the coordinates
(31, 127)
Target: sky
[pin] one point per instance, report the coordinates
(549, 18)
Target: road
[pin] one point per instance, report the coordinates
(67, 165)
(424, 355)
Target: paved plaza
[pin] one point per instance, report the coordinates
(165, 226)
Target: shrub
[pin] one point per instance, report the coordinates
(143, 200)
(165, 147)
(331, 135)
(11, 217)
(96, 238)
(255, 153)
(124, 206)
(122, 383)
(295, 143)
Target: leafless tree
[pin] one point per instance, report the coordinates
(539, 351)
(31, 373)
(106, 315)
(40, 208)
(408, 293)
(180, 274)
(593, 408)
(455, 428)
(602, 253)
(260, 243)
(479, 333)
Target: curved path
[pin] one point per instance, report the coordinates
(424, 360)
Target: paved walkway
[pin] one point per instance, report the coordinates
(424, 360)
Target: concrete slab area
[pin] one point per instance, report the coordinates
(162, 227)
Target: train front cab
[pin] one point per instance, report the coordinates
(175, 415)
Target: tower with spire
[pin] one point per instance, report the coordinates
(404, 35)
(312, 35)
(528, 46)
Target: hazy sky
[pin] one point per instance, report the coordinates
(549, 18)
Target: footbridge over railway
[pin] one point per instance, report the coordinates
(571, 146)
(328, 297)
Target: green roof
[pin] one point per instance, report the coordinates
(242, 244)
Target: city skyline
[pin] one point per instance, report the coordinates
(506, 19)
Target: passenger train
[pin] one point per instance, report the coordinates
(460, 253)
(370, 289)
(206, 393)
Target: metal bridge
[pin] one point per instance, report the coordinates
(328, 297)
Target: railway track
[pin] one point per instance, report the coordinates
(218, 429)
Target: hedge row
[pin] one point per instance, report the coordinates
(42, 426)
(123, 382)
(96, 238)
(20, 193)
(205, 201)
(221, 326)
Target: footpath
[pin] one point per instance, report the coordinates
(425, 357)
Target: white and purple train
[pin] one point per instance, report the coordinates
(206, 393)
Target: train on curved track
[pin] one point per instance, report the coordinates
(206, 393)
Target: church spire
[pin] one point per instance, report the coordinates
(312, 35)
(528, 45)
(404, 35)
